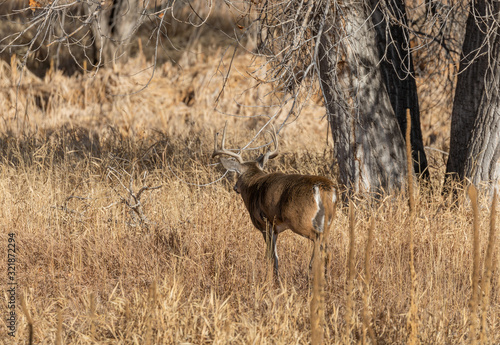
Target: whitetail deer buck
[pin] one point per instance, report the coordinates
(277, 201)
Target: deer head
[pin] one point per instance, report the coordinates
(244, 169)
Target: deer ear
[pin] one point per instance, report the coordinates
(263, 159)
(232, 165)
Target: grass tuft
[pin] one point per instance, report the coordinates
(474, 302)
(412, 322)
(368, 331)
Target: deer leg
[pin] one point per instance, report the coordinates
(322, 252)
(314, 252)
(275, 253)
(312, 259)
(319, 223)
(327, 258)
(271, 251)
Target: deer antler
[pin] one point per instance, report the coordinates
(262, 160)
(222, 150)
(272, 154)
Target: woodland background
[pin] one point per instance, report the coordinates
(80, 137)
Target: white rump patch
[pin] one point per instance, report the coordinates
(317, 196)
(318, 221)
(334, 200)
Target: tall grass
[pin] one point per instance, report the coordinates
(349, 315)
(474, 302)
(489, 266)
(318, 291)
(413, 312)
(368, 331)
(29, 320)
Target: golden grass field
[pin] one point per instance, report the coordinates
(90, 271)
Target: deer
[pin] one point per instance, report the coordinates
(277, 201)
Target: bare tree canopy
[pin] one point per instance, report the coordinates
(98, 33)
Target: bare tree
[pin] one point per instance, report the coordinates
(336, 43)
(105, 28)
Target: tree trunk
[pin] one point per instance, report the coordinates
(368, 143)
(483, 157)
(475, 128)
(483, 160)
(468, 92)
(116, 22)
(398, 73)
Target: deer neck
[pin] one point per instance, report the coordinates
(249, 181)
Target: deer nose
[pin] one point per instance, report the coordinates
(235, 188)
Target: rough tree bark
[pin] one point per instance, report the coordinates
(483, 156)
(398, 73)
(115, 23)
(470, 86)
(368, 143)
(483, 160)
(475, 126)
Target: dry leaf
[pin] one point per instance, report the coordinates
(35, 4)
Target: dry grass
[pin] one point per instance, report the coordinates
(193, 270)
(317, 311)
(412, 322)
